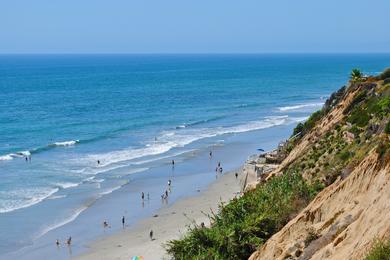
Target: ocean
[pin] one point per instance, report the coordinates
(81, 134)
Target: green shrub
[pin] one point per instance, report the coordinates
(380, 251)
(387, 128)
(298, 129)
(245, 223)
(345, 155)
(355, 130)
(359, 117)
(305, 127)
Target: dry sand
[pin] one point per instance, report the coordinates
(171, 223)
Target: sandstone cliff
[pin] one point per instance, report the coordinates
(348, 150)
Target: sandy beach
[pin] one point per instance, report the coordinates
(168, 223)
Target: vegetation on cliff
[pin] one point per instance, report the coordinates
(380, 251)
(241, 226)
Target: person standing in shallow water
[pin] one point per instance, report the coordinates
(123, 221)
(142, 195)
(69, 241)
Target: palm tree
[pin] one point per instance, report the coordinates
(356, 75)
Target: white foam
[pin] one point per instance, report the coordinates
(6, 157)
(162, 157)
(66, 143)
(71, 218)
(10, 156)
(181, 137)
(300, 106)
(110, 190)
(23, 198)
(66, 185)
(54, 197)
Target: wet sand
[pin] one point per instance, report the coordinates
(169, 223)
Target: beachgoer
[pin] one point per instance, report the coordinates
(123, 221)
(142, 195)
(151, 234)
(57, 242)
(211, 154)
(236, 174)
(148, 196)
(26, 159)
(173, 162)
(169, 182)
(98, 161)
(219, 164)
(216, 169)
(220, 170)
(166, 194)
(202, 225)
(69, 241)
(105, 224)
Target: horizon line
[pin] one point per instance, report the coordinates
(183, 53)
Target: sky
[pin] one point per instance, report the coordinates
(194, 26)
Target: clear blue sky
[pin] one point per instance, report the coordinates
(194, 26)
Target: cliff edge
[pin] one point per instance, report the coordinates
(347, 149)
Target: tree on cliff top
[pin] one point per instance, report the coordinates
(356, 75)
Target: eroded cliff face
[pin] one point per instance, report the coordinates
(342, 221)
(345, 218)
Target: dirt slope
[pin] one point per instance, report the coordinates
(342, 221)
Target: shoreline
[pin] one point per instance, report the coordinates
(168, 223)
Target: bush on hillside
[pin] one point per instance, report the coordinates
(380, 251)
(387, 128)
(245, 223)
(359, 117)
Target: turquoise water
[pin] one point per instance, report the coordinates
(135, 113)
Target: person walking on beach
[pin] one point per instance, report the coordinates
(173, 163)
(219, 164)
(169, 183)
(123, 221)
(142, 195)
(236, 174)
(220, 170)
(69, 241)
(211, 154)
(166, 194)
(57, 242)
(151, 235)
